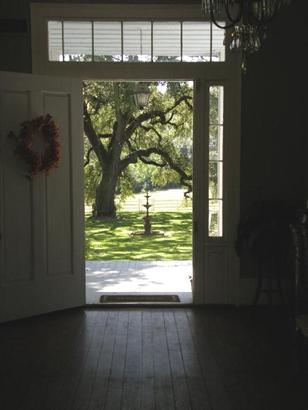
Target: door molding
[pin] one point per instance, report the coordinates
(213, 289)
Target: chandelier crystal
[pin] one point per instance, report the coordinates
(245, 21)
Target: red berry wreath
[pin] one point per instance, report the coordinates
(43, 161)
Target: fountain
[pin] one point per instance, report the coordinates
(147, 231)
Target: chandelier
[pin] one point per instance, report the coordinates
(245, 21)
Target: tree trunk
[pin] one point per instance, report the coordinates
(105, 193)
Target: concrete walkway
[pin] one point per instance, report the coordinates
(160, 277)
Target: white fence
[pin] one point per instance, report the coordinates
(172, 200)
(137, 205)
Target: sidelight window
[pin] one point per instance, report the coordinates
(215, 181)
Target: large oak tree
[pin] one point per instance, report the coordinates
(119, 135)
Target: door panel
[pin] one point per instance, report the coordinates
(216, 267)
(58, 185)
(41, 218)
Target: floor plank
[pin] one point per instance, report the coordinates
(115, 382)
(147, 400)
(218, 396)
(179, 378)
(163, 388)
(132, 385)
(196, 382)
(151, 359)
(84, 388)
(100, 385)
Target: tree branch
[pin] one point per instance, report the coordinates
(189, 105)
(151, 162)
(133, 157)
(152, 115)
(87, 161)
(147, 129)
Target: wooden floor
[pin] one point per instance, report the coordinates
(203, 359)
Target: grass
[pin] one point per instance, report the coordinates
(112, 239)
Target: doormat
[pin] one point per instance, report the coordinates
(138, 298)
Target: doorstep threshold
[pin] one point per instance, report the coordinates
(140, 299)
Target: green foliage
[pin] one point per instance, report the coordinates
(107, 101)
(112, 239)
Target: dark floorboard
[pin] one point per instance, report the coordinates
(210, 358)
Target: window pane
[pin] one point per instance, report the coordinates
(77, 41)
(55, 51)
(216, 142)
(166, 41)
(137, 41)
(218, 47)
(215, 217)
(173, 41)
(216, 105)
(107, 41)
(215, 180)
(196, 41)
(215, 172)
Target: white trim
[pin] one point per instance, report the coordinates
(118, 11)
(227, 287)
(216, 256)
(41, 13)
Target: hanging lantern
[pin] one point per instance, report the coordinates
(141, 95)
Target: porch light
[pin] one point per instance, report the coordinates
(141, 95)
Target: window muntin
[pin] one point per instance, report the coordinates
(215, 175)
(134, 41)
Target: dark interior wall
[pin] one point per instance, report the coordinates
(274, 108)
(274, 116)
(274, 102)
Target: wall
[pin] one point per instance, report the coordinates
(274, 116)
(273, 112)
(274, 102)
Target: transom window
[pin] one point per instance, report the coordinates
(135, 41)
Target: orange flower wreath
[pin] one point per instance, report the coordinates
(49, 158)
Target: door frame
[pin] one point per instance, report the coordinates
(227, 73)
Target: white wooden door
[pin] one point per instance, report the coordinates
(216, 204)
(41, 218)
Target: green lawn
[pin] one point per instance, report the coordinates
(112, 239)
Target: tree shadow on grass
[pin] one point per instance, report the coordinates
(111, 239)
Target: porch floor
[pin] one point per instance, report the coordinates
(135, 277)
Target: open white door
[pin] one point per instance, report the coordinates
(41, 218)
(216, 191)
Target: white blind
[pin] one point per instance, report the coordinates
(144, 41)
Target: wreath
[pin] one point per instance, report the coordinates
(43, 161)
